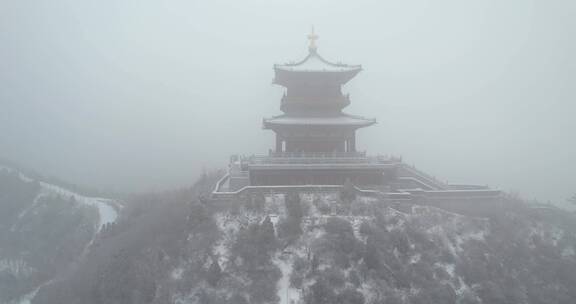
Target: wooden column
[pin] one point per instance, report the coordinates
(278, 143)
(352, 143)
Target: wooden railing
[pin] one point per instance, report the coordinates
(427, 178)
(317, 154)
(321, 158)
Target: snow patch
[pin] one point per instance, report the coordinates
(16, 267)
(449, 268)
(106, 207)
(230, 224)
(28, 298)
(568, 252)
(177, 273)
(27, 210)
(107, 214)
(415, 258)
(287, 294)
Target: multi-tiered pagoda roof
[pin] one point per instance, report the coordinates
(313, 99)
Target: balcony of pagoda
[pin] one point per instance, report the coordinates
(335, 160)
(358, 154)
(338, 102)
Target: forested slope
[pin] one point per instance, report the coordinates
(45, 230)
(179, 247)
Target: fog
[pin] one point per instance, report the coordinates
(139, 95)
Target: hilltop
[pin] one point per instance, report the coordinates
(301, 247)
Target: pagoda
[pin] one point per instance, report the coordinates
(315, 139)
(315, 146)
(313, 121)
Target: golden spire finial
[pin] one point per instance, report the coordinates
(312, 37)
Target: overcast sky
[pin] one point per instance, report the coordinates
(141, 95)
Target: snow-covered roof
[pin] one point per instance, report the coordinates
(339, 120)
(315, 63)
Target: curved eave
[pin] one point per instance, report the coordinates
(326, 69)
(344, 121)
(316, 69)
(286, 78)
(315, 62)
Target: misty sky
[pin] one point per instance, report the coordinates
(139, 95)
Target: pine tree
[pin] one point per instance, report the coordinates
(293, 206)
(315, 263)
(371, 256)
(321, 293)
(197, 216)
(348, 192)
(267, 235)
(214, 274)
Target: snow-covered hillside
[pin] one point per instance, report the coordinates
(450, 230)
(107, 208)
(368, 251)
(322, 248)
(44, 220)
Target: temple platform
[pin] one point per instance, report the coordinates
(383, 176)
